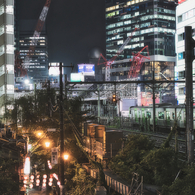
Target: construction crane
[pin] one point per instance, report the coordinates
(108, 63)
(23, 68)
(137, 62)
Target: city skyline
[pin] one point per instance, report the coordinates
(74, 31)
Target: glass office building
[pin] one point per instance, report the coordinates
(154, 21)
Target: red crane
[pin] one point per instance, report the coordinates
(137, 62)
(111, 61)
(36, 35)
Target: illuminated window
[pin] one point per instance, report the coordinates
(9, 9)
(2, 50)
(9, 29)
(161, 115)
(1, 10)
(10, 69)
(9, 49)
(1, 30)
(181, 56)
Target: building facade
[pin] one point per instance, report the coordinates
(37, 65)
(151, 26)
(6, 53)
(185, 16)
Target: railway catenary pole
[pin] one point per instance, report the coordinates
(61, 134)
(153, 96)
(98, 86)
(189, 57)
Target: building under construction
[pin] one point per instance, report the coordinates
(150, 53)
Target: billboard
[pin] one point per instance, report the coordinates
(54, 69)
(76, 77)
(88, 69)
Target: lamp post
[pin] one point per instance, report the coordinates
(66, 156)
(47, 145)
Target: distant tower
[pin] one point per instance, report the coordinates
(6, 53)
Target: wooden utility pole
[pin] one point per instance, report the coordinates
(189, 57)
(61, 135)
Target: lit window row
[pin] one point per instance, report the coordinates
(157, 29)
(112, 14)
(114, 38)
(9, 9)
(143, 18)
(114, 31)
(112, 8)
(135, 1)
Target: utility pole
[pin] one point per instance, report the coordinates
(189, 57)
(153, 94)
(61, 134)
(98, 103)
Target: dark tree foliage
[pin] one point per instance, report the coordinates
(9, 181)
(40, 112)
(157, 166)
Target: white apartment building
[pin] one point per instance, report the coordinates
(185, 16)
(6, 52)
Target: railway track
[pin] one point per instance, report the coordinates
(159, 139)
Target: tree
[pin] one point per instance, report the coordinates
(184, 184)
(157, 166)
(9, 182)
(82, 183)
(128, 159)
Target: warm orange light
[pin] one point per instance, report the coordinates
(66, 156)
(47, 144)
(39, 134)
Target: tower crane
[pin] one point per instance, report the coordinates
(35, 39)
(137, 62)
(108, 63)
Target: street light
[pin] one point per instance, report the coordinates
(39, 133)
(66, 156)
(47, 144)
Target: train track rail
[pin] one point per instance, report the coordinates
(159, 139)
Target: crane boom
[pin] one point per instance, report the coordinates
(126, 42)
(37, 32)
(111, 61)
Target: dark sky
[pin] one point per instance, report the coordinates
(74, 27)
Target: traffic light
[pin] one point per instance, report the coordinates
(114, 97)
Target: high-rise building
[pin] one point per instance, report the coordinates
(6, 53)
(185, 16)
(37, 66)
(153, 23)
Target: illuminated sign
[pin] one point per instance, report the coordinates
(86, 68)
(54, 69)
(27, 166)
(75, 77)
(181, 1)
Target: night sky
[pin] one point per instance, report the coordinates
(74, 27)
